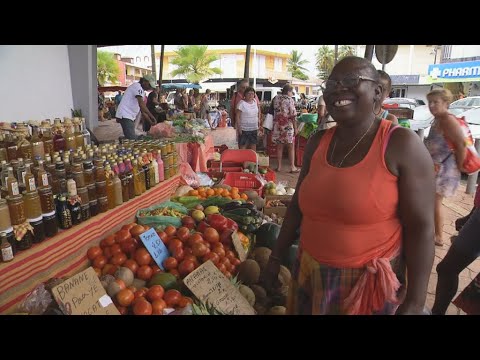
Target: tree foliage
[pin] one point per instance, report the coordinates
(194, 63)
(107, 68)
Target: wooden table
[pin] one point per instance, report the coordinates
(65, 254)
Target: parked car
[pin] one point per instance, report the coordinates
(410, 103)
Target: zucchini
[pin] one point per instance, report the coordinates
(239, 211)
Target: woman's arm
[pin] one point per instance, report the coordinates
(293, 218)
(416, 188)
(454, 133)
(238, 114)
(392, 118)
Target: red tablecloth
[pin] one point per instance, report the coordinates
(66, 253)
(196, 154)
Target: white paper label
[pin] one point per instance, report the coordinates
(105, 300)
(15, 188)
(7, 254)
(31, 184)
(45, 179)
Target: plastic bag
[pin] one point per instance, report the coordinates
(37, 302)
(205, 180)
(162, 130)
(188, 176)
(155, 221)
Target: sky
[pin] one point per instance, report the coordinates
(308, 51)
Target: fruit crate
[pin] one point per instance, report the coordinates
(243, 182)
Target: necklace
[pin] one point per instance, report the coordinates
(353, 148)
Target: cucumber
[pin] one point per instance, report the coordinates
(239, 211)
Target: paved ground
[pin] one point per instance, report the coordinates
(455, 207)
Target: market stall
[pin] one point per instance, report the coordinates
(65, 253)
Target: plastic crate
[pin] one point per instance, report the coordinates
(243, 181)
(299, 157)
(270, 175)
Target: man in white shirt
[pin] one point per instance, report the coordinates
(132, 103)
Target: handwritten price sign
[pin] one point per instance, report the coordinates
(155, 246)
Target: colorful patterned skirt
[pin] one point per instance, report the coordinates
(318, 289)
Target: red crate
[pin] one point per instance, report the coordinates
(270, 175)
(243, 181)
(299, 157)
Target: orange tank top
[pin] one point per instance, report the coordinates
(350, 214)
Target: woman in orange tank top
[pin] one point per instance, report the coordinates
(363, 207)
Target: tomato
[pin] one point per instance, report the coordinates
(142, 257)
(93, 252)
(184, 301)
(132, 288)
(217, 221)
(120, 283)
(211, 256)
(163, 236)
(119, 259)
(98, 271)
(110, 240)
(156, 269)
(178, 254)
(187, 250)
(158, 306)
(235, 262)
(219, 251)
(107, 252)
(128, 226)
(172, 297)
(170, 263)
(125, 297)
(225, 262)
(202, 226)
(175, 273)
(194, 238)
(221, 267)
(137, 230)
(155, 293)
(188, 222)
(103, 244)
(174, 243)
(116, 249)
(141, 293)
(122, 310)
(122, 236)
(230, 255)
(199, 249)
(142, 307)
(100, 261)
(109, 269)
(129, 246)
(144, 272)
(132, 265)
(170, 230)
(191, 257)
(211, 235)
(186, 267)
(183, 233)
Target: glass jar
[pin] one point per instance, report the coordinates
(100, 173)
(101, 188)
(63, 213)
(85, 210)
(166, 171)
(164, 149)
(83, 193)
(25, 242)
(11, 239)
(50, 224)
(46, 199)
(89, 176)
(5, 222)
(79, 178)
(102, 204)
(16, 208)
(93, 207)
(38, 229)
(92, 192)
(33, 208)
(175, 158)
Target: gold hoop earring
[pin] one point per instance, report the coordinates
(373, 110)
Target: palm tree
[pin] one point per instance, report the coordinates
(324, 61)
(294, 65)
(107, 68)
(194, 63)
(346, 50)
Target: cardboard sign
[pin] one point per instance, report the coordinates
(83, 294)
(210, 286)
(242, 253)
(155, 246)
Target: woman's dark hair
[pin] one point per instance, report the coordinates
(248, 89)
(384, 77)
(286, 89)
(302, 95)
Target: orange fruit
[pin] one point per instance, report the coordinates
(244, 196)
(210, 192)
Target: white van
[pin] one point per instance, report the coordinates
(267, 93)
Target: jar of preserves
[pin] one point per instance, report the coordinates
(38, 229)
(46, 199)
(50, 224)
(89, 176)
(83, 193)
(11, 239)
(79, 178)
(63, 213)
(33, 208)
(103, 204)
(94, 207)
(85, 210)
(5, 222)
(166, 172)
(25, 242)
(100, 173)
(164, 149)
(16, 208)
(92, 192)
(101, 188)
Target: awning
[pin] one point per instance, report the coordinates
(218, 86)
(180, 86)
(103, 89)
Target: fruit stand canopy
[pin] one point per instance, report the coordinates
(111, 88)
(181, 86)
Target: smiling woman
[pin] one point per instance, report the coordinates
(360, 206)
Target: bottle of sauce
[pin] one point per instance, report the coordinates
(42, 175)
(24, 146)
(47, 139)
(38, 148)
(29, 180)
(63, 213)
(7, 251)
(12, 184)
(117, 187)
(85, 132)
(70, 143)
(137, 182)
(59, 143)
(74, 203)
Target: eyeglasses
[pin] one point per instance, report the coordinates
(351, 81)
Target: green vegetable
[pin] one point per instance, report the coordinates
(240, 211)
(267, 235)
